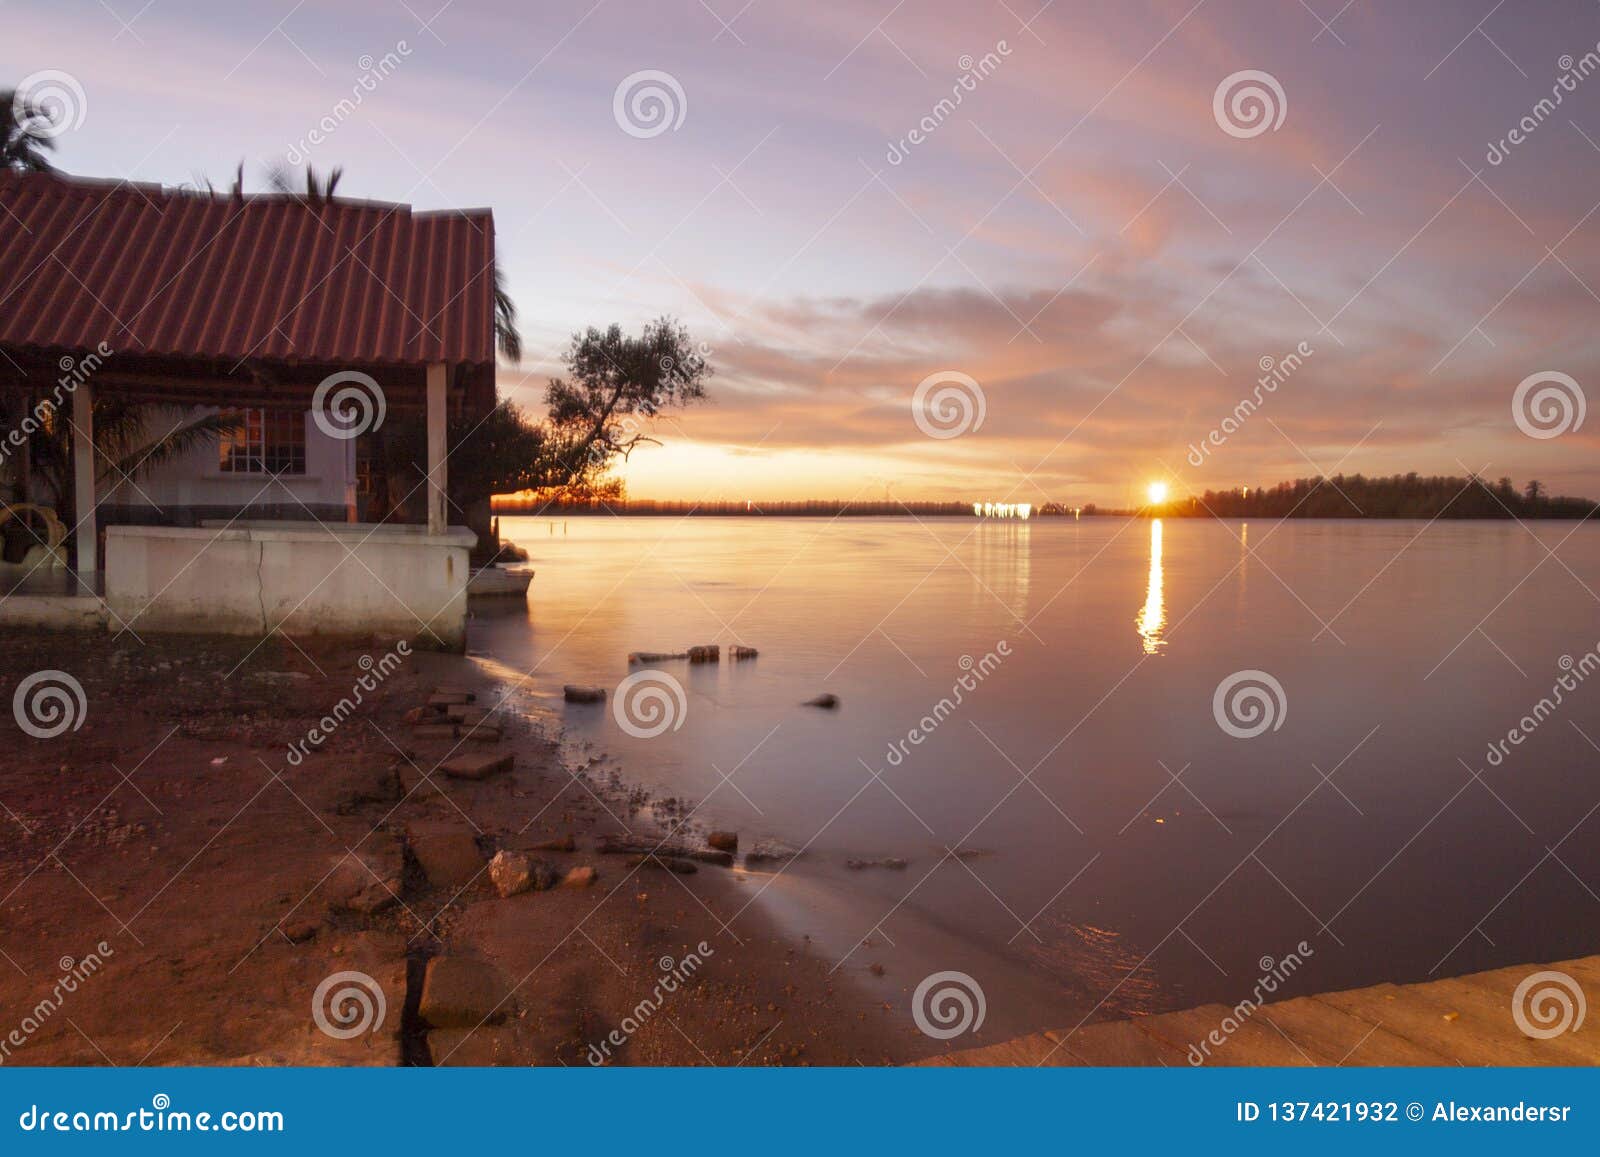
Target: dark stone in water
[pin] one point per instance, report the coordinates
(770, 854)
(669, 863)
(618, 845)
(561, 844)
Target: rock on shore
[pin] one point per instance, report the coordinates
(461, 993)
(478, 766)
(448, 856)
(516, 872)
(580, 877)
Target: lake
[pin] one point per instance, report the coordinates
(1029, 716)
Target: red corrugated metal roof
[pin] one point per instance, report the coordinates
(270, 277)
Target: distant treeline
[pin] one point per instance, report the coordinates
(816, 508)
(1342, 496)
(1398, 496)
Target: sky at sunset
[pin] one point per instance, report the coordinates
(1080, 235)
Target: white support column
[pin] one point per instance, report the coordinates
(350, 499)
(437, 473)
(83, 478)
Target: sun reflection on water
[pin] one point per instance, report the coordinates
(1153, 617)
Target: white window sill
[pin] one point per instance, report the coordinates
(252, 476)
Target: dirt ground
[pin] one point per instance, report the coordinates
(177, 882)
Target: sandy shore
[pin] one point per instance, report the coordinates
(187, 865)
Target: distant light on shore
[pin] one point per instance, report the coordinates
(1003, 509)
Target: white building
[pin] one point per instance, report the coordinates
(272, 306)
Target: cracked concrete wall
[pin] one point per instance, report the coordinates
(250, 581)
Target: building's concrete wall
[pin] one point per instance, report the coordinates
(54, 612)
(190, 487)
(252, 578)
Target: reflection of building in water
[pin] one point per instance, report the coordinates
(1003, 563)
(1152, 619)
(1244, 558)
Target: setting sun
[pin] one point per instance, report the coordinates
(1157, 492)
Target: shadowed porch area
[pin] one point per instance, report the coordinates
(349, 310)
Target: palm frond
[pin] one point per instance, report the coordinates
(176, 439)
(505, 319)
(22, 144)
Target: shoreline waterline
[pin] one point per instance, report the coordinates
(1066, 755)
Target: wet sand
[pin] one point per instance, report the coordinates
(198, 881)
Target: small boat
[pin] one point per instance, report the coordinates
(505, 580)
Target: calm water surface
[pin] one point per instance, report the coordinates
(1125, 851)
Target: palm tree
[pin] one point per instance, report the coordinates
(22, 141)
(506, 337)
(317, 191)
(130, 438)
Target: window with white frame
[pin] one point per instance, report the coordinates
(265, 442)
